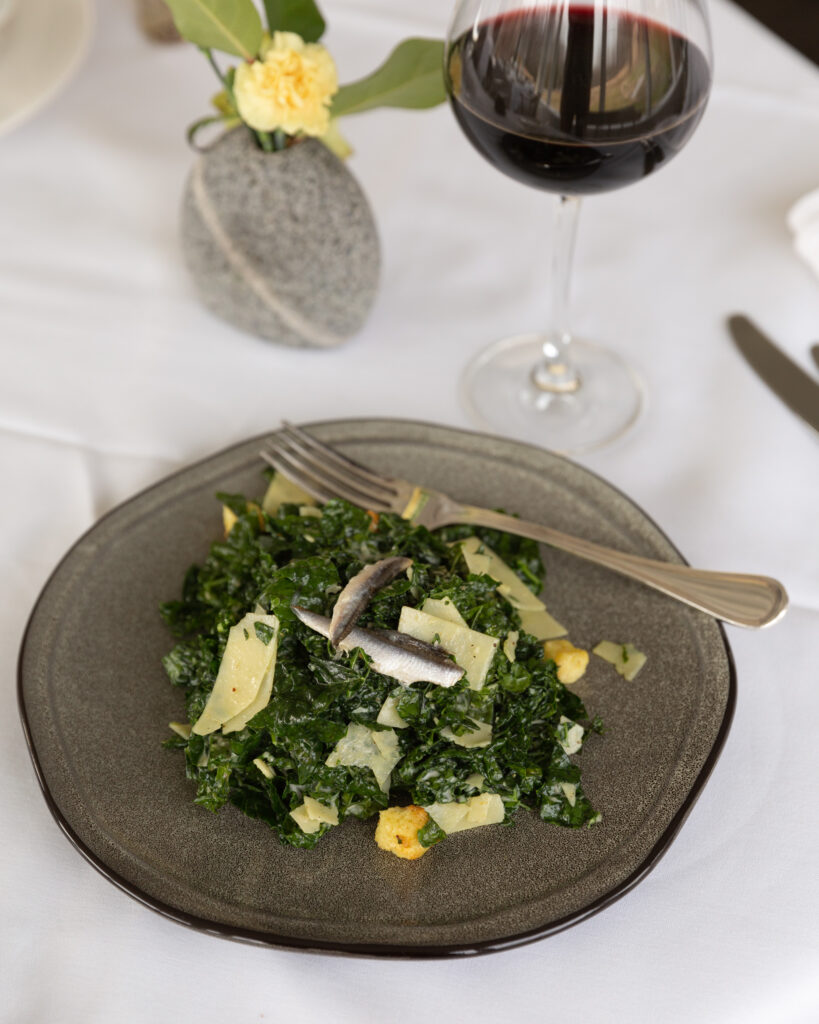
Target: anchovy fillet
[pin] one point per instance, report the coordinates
(393, 654)
(355, 597)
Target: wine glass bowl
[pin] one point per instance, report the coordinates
(576, 99)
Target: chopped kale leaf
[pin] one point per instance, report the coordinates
(267, 563)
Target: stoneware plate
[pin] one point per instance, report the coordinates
(95, 704)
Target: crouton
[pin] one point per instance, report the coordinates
(397, 831)
(571, 661)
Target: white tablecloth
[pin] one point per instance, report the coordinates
(113, 375)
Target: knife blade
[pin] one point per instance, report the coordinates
(787, 380)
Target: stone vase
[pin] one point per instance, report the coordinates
(281, 245)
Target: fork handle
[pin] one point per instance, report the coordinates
(738, 598)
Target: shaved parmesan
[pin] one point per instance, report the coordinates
(534, 618)
(388, 715)
(542, 625)
(569, 735)
(361, 747)
(311, 815)
(476, 560)
(443, 608)
(321, 812)
(480, 737)
(472, 650)
(510, 644)
(282, 491)
(246, 668)
(626, 659)
(229, 519)
(386, 742)
(480, 558)
(263, 767)
(262, 698)
(304, 821)
(485, 809)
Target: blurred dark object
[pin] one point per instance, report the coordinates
(156, 22)
(795, 21)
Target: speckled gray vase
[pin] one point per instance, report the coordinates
(282, 245)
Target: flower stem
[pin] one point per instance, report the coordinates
(212, 61)
(264, 139)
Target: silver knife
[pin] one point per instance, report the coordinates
(787, 380)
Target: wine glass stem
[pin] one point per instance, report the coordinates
(555, 372)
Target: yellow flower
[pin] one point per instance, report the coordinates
(290, 87)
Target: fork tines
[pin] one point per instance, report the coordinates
(325, 473)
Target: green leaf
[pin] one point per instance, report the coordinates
(263, 632)
(411, 77)
(300, 16)
(335, 141)
(233, 26)
(431, 833)
(224, 104)
(269, 561)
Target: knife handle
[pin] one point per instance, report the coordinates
(738, 598)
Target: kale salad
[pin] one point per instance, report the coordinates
(302, 731)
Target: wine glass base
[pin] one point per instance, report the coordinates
(499, 395)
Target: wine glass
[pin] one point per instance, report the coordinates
(575, 98)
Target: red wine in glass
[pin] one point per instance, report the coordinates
(576, 99)
(552, 124)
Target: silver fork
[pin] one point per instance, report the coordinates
(738, 598)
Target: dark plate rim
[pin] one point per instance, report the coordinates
(379, 950)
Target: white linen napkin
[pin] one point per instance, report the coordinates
(803, 220)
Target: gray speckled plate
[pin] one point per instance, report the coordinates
(95, 704)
